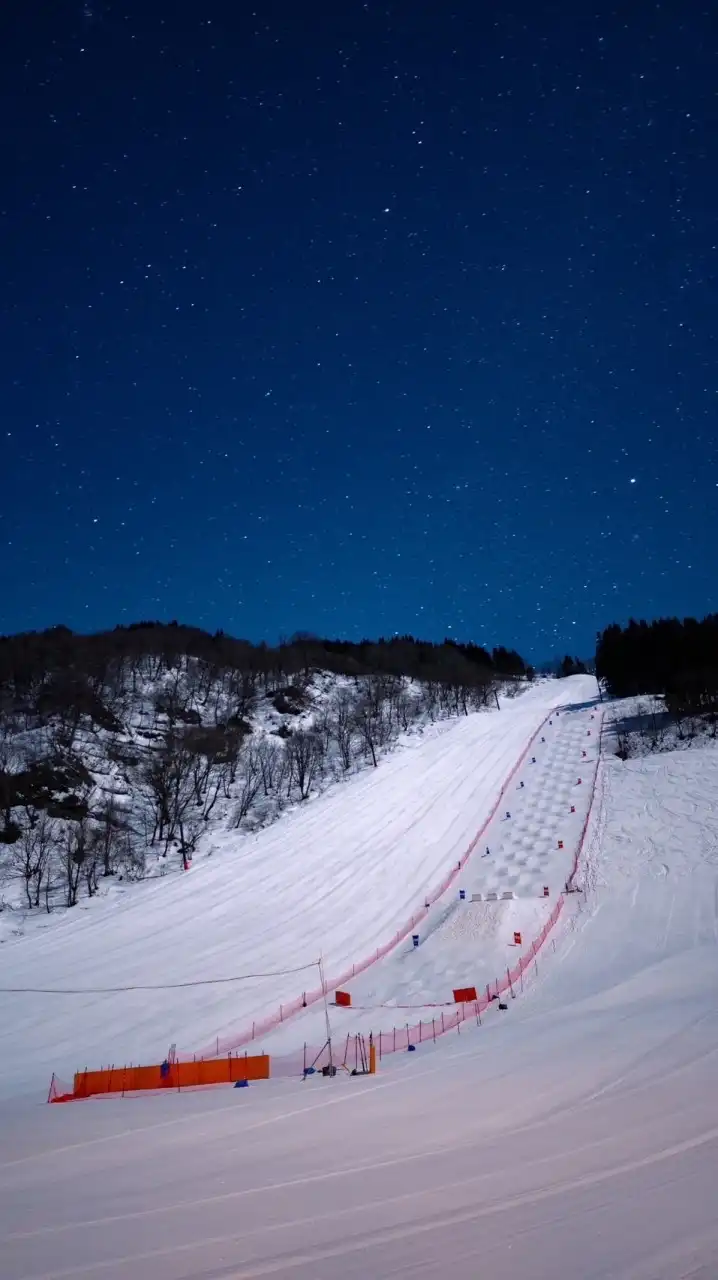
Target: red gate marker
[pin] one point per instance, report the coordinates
(545, 891)
(517, 938)
(573, 808)
(560, 844)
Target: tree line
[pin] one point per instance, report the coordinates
(671, 657)
(129, 741)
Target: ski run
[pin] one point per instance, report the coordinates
(574, 1134)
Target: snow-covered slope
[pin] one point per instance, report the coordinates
(576, 1135)
(337, 876)
(528, 847)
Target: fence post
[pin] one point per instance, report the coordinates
(433, 1029)
(442, 1021)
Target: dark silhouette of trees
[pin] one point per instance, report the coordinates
(571, 667)
(678, 659)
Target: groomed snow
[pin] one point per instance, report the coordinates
(576, 1135)
(465, 943)
(337, 876)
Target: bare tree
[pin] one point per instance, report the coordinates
(31, 855)
(372, 716)
(305, 757)
(251, 782)
(430, 698)
(75, 853)
(169, 779)
(271, 759)
(110, 824)
(241, 692)
(404, 709)
(342, 720)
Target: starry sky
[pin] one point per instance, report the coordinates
(359, 317)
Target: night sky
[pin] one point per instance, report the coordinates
(359, 317)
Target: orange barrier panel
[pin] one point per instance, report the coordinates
(343, 999)
(464, 995)
(171, 1075)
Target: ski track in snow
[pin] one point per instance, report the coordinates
(467, 943)
(335, 877)
(576, 1134)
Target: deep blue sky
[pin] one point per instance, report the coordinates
(358, 317)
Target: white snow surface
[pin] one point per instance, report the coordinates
(337, 876)
(574, 1135)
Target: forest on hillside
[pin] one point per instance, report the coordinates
(669, 657)
(119, 750)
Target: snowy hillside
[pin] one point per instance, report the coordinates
(574, 1134)
(335, 877)
(121, 755)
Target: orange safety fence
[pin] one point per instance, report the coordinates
(215, 1070)
(168, 1075)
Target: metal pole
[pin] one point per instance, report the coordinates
(326, 1012)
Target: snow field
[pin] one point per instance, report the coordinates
(336, 876)
(470, 943)
(574, 1136)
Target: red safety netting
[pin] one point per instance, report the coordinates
(353, 1055)
(423, 1032)
(60, 1090)
(264, 1025)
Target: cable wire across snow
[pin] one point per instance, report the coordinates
(162, 986)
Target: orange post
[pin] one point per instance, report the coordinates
(372, 1058)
